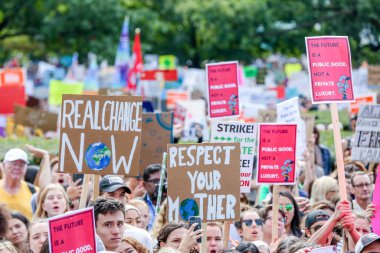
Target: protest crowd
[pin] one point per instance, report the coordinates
(209, 184)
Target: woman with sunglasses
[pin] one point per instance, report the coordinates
(251, 227)
(293, 216)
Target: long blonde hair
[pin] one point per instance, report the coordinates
(5, 244)
(40, 212)
(321, 187)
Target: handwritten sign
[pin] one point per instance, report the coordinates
(35, 118)
(13, 76)
(245, 134)
(203, 180)
(330, 69)
(156, 135)
(100, 134)
(223, 91)
(366, 146)
(11, 95)
(363, 99)
(276, 154)
(73, 232)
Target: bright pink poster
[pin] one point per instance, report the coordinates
(330, 69)
(223, 89)
(376, 201)
(73, 232)
(11, 95)
(276, 154)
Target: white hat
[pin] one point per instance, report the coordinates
(15, 154)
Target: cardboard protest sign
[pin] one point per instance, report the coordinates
(172, 96)
(100, 134)
(35, 118)
(203, 180)
(223, 89)
(57, 88)
(156, 135)
(362, 99)
(245, 134)
(289, 112)
(11, 95)
(113, 92)
(366, 146)
(73, 232)
(330, 69)
(13, 76)
(276, 154)
(374, 74)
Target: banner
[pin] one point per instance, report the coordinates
(172, 96)
(73, 232)
(366, 147)
(276, 162)
(374, 74)
(156, 135)
(223, 89)
(11, 95)
(363, 99)
(330, 69)
(203, 180)
(245, 134)
(166, 62)
(57, 88)
(30, 117)
(151, 75)
(14, 76)
(100, 135)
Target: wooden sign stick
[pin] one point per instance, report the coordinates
(275, 212)
(84, 194)
(338, 152)
(226, 232)
(95, 194)
(204, 238)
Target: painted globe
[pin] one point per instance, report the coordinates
(187, 208)
(97, 156)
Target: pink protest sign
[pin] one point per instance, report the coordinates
(276, 162)
(330, 69)
(73, 232)
(376, 201)
(223, 89)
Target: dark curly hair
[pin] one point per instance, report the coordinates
(103, 206)
(5, 216)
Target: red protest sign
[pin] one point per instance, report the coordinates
(330, 69)
(73, 232)
(172, 96)
(276, 154)
(223, 89)
(14, 76)
(169, 75)
(11, 95)
(365, 99)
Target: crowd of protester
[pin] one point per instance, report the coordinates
(311, 213)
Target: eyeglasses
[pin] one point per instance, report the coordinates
(249, 222)
(286, 208)
(367, 185)
(280, 219)
(153, 181)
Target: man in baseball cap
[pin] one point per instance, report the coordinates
(114, 187)
(315, 220)
(369, 243)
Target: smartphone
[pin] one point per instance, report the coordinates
(196, 219)
(78, 176)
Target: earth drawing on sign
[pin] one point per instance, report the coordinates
(188, 208)
(97, 156)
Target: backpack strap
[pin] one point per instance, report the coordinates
(31, 187)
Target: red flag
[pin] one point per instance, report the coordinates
(136, 63)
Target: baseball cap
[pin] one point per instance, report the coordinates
(111, 183)
(15, 154)
(366, 240)
(315, 216)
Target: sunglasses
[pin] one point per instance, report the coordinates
(249, 222)
(287, 207)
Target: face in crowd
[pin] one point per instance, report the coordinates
(133, 217)
(110, 228)
(174, 239)
(287, 207)
(151, 185)
(58, 177)
(14, 170)
(17, 232)
(267, 226)
(38, 233)
(362, 187)
(362, 226)
(251, 227)
(214, 238)
(55, 203)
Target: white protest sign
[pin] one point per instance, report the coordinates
(245, 133)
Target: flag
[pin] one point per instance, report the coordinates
(136, 65)
(123, 55)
